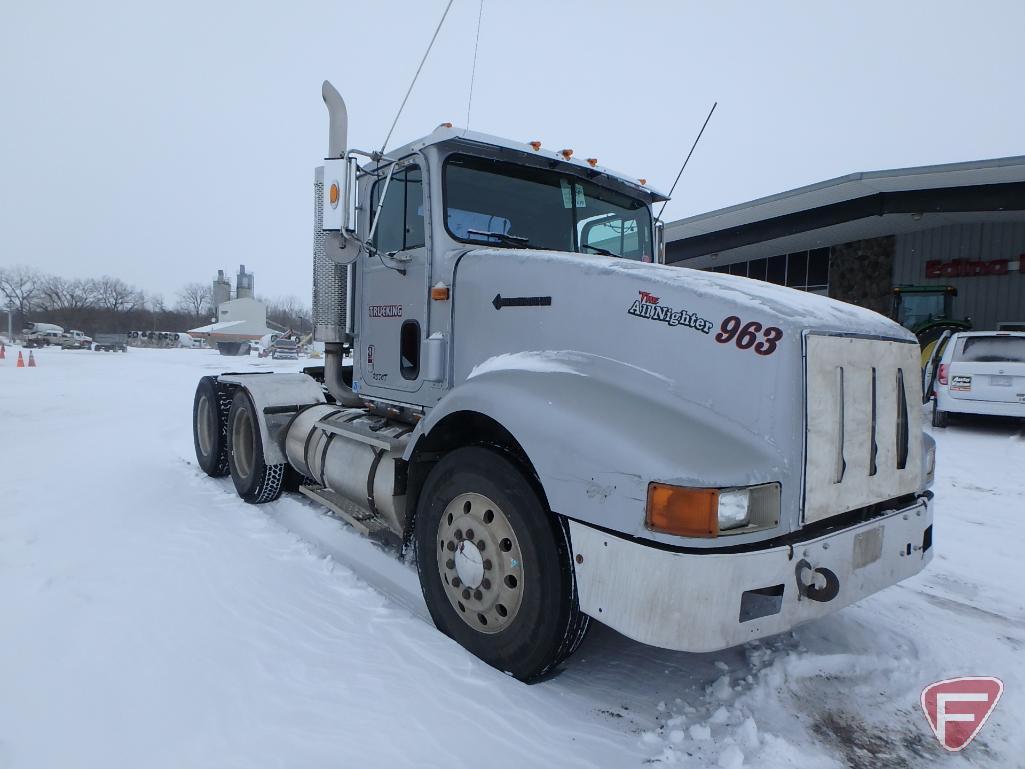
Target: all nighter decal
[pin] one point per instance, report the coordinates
(764, 340)
(647, 306)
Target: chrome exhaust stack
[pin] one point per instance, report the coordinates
(332, 256)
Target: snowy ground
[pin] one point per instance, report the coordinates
(148, 618)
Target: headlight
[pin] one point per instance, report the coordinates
(734, 508)
(697, 512)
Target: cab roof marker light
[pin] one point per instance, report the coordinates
(566, 153)
(536, 145)
(592, 162)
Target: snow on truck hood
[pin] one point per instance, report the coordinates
(799, 308)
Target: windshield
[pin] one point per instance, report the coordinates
(506, 204)
(993, 349)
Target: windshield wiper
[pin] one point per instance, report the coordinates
(512, 240)
(602, 251)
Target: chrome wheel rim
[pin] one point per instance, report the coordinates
(480, 563)
(204, 426)
(242, 442)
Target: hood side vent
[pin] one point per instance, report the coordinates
(873, 468)
(902, 422)
(841, 463)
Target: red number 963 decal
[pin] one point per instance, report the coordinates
(746, 335)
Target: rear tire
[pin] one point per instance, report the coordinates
(513, 603)
(939, 418)
(255, 481)
(209, 427)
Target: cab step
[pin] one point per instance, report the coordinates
(363, 521)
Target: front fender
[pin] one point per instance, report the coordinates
(597, 431)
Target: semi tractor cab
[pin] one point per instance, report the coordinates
(563, 428)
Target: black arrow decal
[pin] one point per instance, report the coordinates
(521, 301)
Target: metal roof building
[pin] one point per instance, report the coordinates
(858, 236)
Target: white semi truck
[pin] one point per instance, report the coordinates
(743, 458)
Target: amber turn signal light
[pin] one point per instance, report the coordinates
(439, 293)
(681, 511)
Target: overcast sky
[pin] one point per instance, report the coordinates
(159, 142)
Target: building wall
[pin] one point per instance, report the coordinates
(987, 299)
(860, 273)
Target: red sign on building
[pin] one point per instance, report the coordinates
(970, 268)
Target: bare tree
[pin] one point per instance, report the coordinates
(194, 298)
(20, 288)
(67, 295)
(290, 312)
(115, 295)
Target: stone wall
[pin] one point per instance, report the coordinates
(861, 273)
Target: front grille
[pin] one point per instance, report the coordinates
(862, 423)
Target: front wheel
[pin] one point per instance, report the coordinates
(495, 565)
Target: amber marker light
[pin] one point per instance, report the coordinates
(333, 194)
(643, 181)
(567, 153)
(439, 293)
(592, 162)
(682, 511)
(536, 145)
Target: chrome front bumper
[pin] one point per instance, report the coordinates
(709, 601)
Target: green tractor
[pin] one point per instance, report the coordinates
(928, 312)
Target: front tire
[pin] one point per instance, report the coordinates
(255, 481)
(495, 565)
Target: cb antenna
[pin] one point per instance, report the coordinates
(687, 159)
(424, 59)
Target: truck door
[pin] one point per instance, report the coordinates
(932, 366)
(395, 281)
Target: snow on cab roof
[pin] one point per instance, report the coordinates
(448, 132)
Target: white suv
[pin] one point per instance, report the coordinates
(980, 372)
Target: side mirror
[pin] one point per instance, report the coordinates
(340, 245)
(339, 249)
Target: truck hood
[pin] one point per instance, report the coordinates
(648, 372)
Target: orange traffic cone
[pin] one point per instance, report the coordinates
(21, 360)
(31, 359)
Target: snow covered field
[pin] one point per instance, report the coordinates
(149, 618)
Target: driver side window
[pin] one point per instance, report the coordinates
(400, 225)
